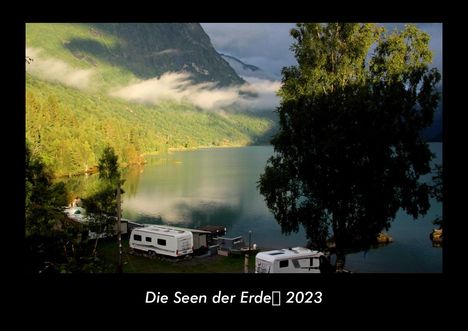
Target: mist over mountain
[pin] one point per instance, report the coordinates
(145, 63)
(137, 87)
(247, 70)
(149, 50)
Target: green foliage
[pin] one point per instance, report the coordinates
(349, 151)
(102, 202)
(54, 39)
(44, 199)
(52, 241)
(70, 128)
(102, 208)
(108, 165)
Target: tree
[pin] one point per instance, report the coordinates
(43, 200)
(109, 166)
(48, 232)
(349, 150)
(85, 155)
(101, 209)
(105, 205)
(53, 242)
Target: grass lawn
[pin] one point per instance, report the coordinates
(107, 250)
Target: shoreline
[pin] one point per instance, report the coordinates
(185, 149)
(169, 150)
(93, 169)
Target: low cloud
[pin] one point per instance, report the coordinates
(254, 95)
(55, 70)
(265, 91)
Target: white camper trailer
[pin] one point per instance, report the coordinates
(291, 260)
(158, 239)
(200, 237)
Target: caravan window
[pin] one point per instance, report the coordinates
(162, 242)
(283, 264)
(148, 239)
(136, 237)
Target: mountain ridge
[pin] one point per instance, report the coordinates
(71, 114)
(134, 50)
(247, 70)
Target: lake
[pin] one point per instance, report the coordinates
(219, 186)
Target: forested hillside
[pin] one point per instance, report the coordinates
(69, 128)
(71, 114)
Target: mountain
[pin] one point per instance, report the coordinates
(247, 70)
(69, 128)
(72, 113)
(141, 50)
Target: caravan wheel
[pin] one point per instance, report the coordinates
(152, 254)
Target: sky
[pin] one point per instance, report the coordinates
(267, 45)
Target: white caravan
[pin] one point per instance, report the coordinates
(291, 260)
(158, 239)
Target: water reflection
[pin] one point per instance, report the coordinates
(208, 187)
(132, 177)
(218, 187)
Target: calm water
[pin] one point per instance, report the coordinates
(209, 186)
(412, 249)
(219, 186)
